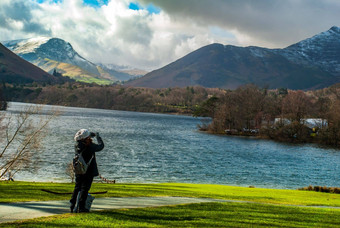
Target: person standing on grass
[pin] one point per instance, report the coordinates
(87, 148)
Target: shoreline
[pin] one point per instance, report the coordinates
(156, 183)
(265, 137)
(122, 110)
(316, 188)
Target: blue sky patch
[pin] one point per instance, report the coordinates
(42, 1)
(94, 3)
(153, 9)
(150, 8)
(134, 6)
(98, 3)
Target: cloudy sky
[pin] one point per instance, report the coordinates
(149, 34)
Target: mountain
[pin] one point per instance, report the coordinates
(122, 73)
(54, 53)
(14, 69)
(310, 64)
(322, 50)
(127, 69)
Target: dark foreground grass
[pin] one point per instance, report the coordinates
(196, 215)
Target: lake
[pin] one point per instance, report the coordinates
(159, 148)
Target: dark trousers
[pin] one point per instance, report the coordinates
(83, 185)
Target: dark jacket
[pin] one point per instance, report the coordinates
(88, 152)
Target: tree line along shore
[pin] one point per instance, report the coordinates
(115, 97)
(279, 114)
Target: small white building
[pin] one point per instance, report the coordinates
(315, 122)
(309, 122)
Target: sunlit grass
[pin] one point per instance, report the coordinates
(72, 71)
(230, 214)
(31, 191)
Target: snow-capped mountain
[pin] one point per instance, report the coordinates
(37, 49)
(53, 53)
(322, 50)
(27, 72)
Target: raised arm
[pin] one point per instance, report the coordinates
(100, 145)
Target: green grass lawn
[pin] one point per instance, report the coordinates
(31, 191)
(276, 214)
(195, 215)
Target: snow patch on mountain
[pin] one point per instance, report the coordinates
(258, 52)
(25, 46)
(321, 50)
(37, 49)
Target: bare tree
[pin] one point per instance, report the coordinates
(69, 171)
(21, 135)
(331, 135)
(250, 100)
(296, 105)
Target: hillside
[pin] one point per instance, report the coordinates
(309, 64)
(122, 73)
(54, 53)
(14, 69)
(322, 50)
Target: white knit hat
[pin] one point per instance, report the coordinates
(82, 134)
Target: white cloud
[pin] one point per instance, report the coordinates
(14, 24)
(113, 33)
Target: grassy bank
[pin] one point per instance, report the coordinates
(204, 214)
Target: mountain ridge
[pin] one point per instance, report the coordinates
(26, 73)
(316, 50)
(298, 66)
(51, 53)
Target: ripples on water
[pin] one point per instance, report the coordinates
(154, 148)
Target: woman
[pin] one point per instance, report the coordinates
(87, 148)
